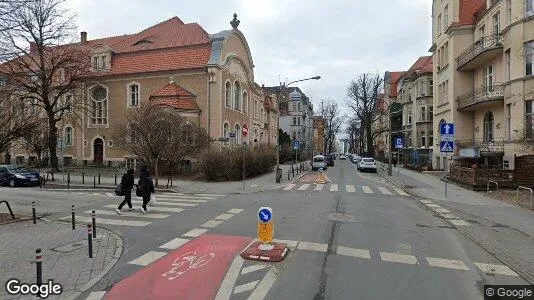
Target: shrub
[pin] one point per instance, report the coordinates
(227, 164)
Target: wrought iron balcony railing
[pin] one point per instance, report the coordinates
(481, 145)
(482, 94)
(485, 43)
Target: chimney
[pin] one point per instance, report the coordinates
(33, 47)
(83, 37)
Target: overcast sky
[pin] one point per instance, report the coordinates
(293, 39)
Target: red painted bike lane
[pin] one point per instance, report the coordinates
(193, 271)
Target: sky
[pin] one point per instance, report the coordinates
(289, 39)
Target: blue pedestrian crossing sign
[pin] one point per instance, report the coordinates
(446, 131)
(446, 146)
(265, 214)
(399, 143)
(296, 144)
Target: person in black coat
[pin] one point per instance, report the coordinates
(146, 186)
(127, 183)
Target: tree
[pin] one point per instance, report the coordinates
(36, 141)
(333, 121)
(283, 138)
(13, 126)
(364, 99)
(187, 141)
(48, 71)
(354, 132)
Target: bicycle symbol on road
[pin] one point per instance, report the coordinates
(186, 262)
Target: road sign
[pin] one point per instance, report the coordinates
(245, 130)
(296, 144)
(399, 143)
(265, 225)
(446, 129)
(446, 146)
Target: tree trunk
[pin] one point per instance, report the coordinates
(369, 140)
(52, 142)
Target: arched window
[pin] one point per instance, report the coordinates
(99, 106)
(228, 95)
(237, 128)
(226, 130)
(488, 127)
(237, 96)
(69, 138)
(245, 103)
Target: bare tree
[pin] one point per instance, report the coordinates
(364, 98)
(36, 141)
(333, 121)
(187, 141)
(353, 130)
(41, 63)
(13, 125)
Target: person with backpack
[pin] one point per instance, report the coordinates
(145, 187)
(127, 183)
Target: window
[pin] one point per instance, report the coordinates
(237, 129)
(423, 139)
(529, 8)
(481, 32)
(488, 127)
(497, 23)
(446, 16)
(294, 106)
(422, 117)
(68, 136)
(299, 107)
(529, 124)
(529, 58)
(488, 78)
(421, 89)
(294, 120)
(103, 61)
(226, 130)
(245, 103)
(431, 87)
(68, 104)
(509, 121)
(95, 62)
(133, 92)
(228, 95)
(130, 162)
(509, 11)
(298, 120)
(430, 139)
(507, 59)
(99, 106)
(439, 25)
(409, 117)
(237, 96)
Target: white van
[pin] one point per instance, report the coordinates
(319, 162)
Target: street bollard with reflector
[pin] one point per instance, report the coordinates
(39, 267)
(93, 215)
(265, 227)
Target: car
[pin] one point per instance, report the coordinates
(329, 159)
(319, 162)
(356, 159)
(17, 175)
(367, 164)
(342, 157)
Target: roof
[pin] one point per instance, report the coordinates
(175, 96)
(469, 9)
(392, 78)
(423, 65)
(395, 76)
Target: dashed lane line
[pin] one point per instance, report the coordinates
(350, 188)
(496, 269)
(211, 223)
(195, 232)
(312, 246)
(223, 217)
(235, 210)
(446, 263)
(398, 258)
(400, 191)
(147, 258)
(361, 253)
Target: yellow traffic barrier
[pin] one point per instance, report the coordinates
(322, 178)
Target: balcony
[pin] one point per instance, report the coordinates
(482, 51)
(483, 95)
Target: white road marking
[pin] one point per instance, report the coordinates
(367, 189)
(181, 200)
(400, 191)
(127, 214)
(223, 217)
(289, 243)
(266, 283)
(184, 197)
(168, 203)
(156, 208)
(109, 221)
(225, 291)
(211, 223)
(398, 258)
(319, 187)
(253, 268)
(313, 246)
(304, 187)
(495, 269)
(334, 188)
(361, 253)
(110, 194)
(459, 222)
(96, 295)
(235, 210)
(147, 258)
(289, 187)
(245, 287)
(449, 216)
(446, 263)
(174, 243)
(210, 195)
(384, 190)
(426, 201)
(350, 188)
(195, 232)
(432, 205)
(441, 210)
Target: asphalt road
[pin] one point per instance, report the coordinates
(356, 238)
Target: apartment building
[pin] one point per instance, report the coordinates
(394, 112)
(483, 57)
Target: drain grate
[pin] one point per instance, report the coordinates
(339, 217)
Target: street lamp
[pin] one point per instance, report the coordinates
(281, 89)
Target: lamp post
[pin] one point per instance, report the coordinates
(281, 89)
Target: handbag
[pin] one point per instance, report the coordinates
(138, 190)
(118, 190)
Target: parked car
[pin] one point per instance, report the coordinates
(342, 157)
(356, 159)
(329, 158)
(16, 175)
(319, 162)
(367, 164)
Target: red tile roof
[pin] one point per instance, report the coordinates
(175, 96)
(182, 104)
(173, 90)
(468, 8)
(423, 65)
(393, 80)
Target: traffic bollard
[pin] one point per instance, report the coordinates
(68, 181)
(115, 179)
(83, 178)
(73, 223)
(94, 182)
(98, 178)
(90, 240)
(34, 213)
(39, 267)
(93, 215)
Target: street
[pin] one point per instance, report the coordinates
(355, 237)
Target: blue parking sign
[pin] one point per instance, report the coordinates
(399, 142)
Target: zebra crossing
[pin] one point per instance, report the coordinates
(166, 205)
(349, 188)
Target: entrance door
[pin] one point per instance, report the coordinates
(98, 151)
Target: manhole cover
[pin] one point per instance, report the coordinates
(340, 217)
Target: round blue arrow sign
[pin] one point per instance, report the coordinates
(265, 215)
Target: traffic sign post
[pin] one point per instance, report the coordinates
(296, 146)
(446, 145)
(265, 227)
(399, 144)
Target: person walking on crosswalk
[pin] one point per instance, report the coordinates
(127, 183)
(145, 186)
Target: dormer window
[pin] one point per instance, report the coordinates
(101, 58)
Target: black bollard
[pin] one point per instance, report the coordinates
(39, 267)
(34, 213)
(93, 215)
(98, 178)
(90, 240)
(83, 178)
(115, 179)
(68, 181)
(94, 182)
(73, 223)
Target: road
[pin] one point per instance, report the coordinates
(353, 238)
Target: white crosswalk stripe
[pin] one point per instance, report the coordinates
(351, 189)
(168, 203)
(319, 187)
(289, 187)
(135, 214)
(384, 190)
(109, 221)
(367, 189)
(334, 187)
(304, 187)
(157, 208)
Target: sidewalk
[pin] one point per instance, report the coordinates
(262, 183)
(503, 229)
(65, 258)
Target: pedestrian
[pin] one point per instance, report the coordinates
(127, 183)
(146, 187)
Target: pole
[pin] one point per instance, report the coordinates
(39, 267)
(73, 223)
(244, 149)
(390, 171)
(34, 213)
(90, 240)
(94, 223)
(447, 158)
(277, 180)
